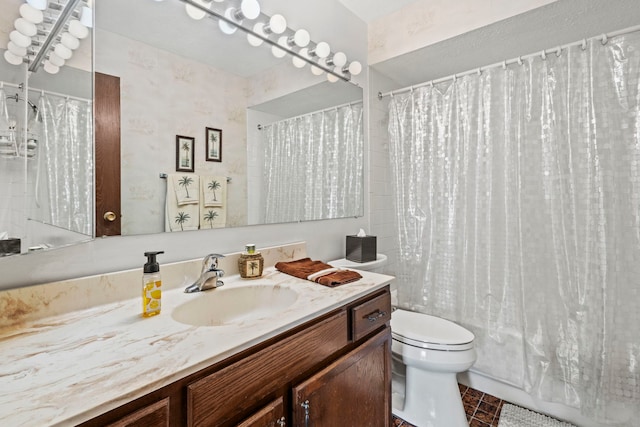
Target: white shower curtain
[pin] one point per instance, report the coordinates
(313, 166)
(518, 204)
(65, 156)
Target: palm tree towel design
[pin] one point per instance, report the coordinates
(187, 188)
(215, 191)
(182, 216)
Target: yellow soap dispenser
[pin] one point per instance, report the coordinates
(151, 286)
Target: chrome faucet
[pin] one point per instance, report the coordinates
(209, 277)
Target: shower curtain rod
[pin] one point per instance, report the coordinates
(48, 92)
(603, 38)
(335, 107)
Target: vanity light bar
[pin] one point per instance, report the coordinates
(284, 47)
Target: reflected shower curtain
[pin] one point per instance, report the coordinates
(65, 156)
(313, 167)
(518, 205)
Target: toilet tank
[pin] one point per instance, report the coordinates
(376, 266)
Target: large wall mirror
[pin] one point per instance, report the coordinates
(46, 150)
(205, 116)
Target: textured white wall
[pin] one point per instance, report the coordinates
(425, 22)
(164, 95)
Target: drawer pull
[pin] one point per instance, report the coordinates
(376, 315)
(281, 422)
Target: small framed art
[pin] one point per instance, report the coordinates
(185, 147)
(214, 145)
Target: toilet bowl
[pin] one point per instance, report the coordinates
(427, 353)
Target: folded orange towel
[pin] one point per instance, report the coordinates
(305, 267)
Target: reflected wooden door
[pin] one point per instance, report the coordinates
(107, 154)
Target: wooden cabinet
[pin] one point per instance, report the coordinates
(271, 415)
(352, 391)
(331, 371)
(156, 414)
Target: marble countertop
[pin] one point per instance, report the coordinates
(69, 368)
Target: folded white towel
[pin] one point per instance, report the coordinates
(212, 216)
(180, 217)
(186, 187)
(214, 190)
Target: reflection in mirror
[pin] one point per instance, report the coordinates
(183, 77)
(46, 152)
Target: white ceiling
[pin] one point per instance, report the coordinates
(369, 10)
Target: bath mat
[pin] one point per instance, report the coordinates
(515, 416)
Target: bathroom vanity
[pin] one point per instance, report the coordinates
(320, 358)
(332, 370)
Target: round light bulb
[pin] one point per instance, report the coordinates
(56, 60)
(38, 4)
(69, 41)
(12, 58)
(298, 62)
(194, 12)
(31, 14)
(276, 51)
(322, 49)
(50, 68)
(316, 70)
(16, 50)
(63, 51)
(77, 30)
(332, 78)
(225, 27)
(355, 68)
(250, 8)
(339, 59)
(253, 40)
(19, 39)
(277, 24)
(25, 27)
(301, 38)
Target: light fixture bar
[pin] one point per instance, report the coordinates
(267, 40)
(55, 31)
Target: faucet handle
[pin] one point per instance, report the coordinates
(210, 262)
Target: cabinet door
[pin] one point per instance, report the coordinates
(155, 415)
(355, 390)
(271, 415)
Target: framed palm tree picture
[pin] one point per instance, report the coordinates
(214, 145)
(185, 147)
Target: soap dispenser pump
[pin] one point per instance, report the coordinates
(151, 285)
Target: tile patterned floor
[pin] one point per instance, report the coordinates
(483, 410)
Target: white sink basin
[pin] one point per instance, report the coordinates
(232, 305)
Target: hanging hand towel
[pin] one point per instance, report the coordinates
(180, 217)
(186, 187)
(213, 216)
(214, 190)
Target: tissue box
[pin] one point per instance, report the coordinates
(361, 249)
(9, 247)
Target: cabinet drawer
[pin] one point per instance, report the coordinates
(370, 315)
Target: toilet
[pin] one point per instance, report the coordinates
(427, 354)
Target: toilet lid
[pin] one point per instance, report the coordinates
(425, 331)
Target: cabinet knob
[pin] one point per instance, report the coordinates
(281, 422)
(306, 405)
(109, 216)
